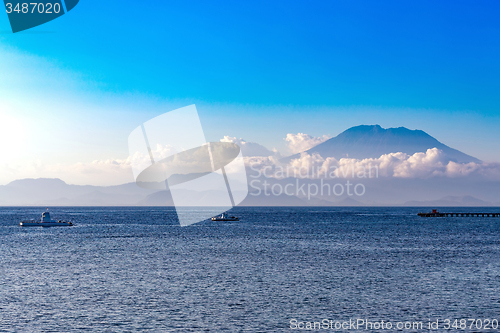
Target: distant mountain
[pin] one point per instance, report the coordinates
(202, 198)
(349, 202)
(254, 199)
(372, 141)
(160, 198)
(51, 192)
(379, 192)
(452, 201)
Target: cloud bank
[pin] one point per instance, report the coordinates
(260, 160)
(423, 165)
(301, 142)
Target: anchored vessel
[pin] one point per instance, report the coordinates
(225, 217)
(435, 213)
(45, 222)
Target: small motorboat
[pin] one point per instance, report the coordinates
(225, 217)
(45, 222)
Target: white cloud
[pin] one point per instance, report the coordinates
(432, 163)
(249, 148)
(115, 171)
(301, 142)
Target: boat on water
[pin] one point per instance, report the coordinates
(46, 221)
(225, 217)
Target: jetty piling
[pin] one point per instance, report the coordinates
(435, 213)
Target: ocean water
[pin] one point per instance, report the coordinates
(135, 269)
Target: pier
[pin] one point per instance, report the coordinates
(435, 213)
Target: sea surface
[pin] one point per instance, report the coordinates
(135, 269)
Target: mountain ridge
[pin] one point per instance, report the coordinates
(379, 192)
(373, 141)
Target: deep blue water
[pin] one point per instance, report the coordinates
(135, 269)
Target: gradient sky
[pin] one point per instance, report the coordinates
(73, 89)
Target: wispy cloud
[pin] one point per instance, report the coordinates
(99, 172)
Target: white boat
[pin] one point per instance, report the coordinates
(225, 217)
(45, 222)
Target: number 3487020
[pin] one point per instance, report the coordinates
(33, 7)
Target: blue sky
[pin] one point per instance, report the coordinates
(256, 70)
